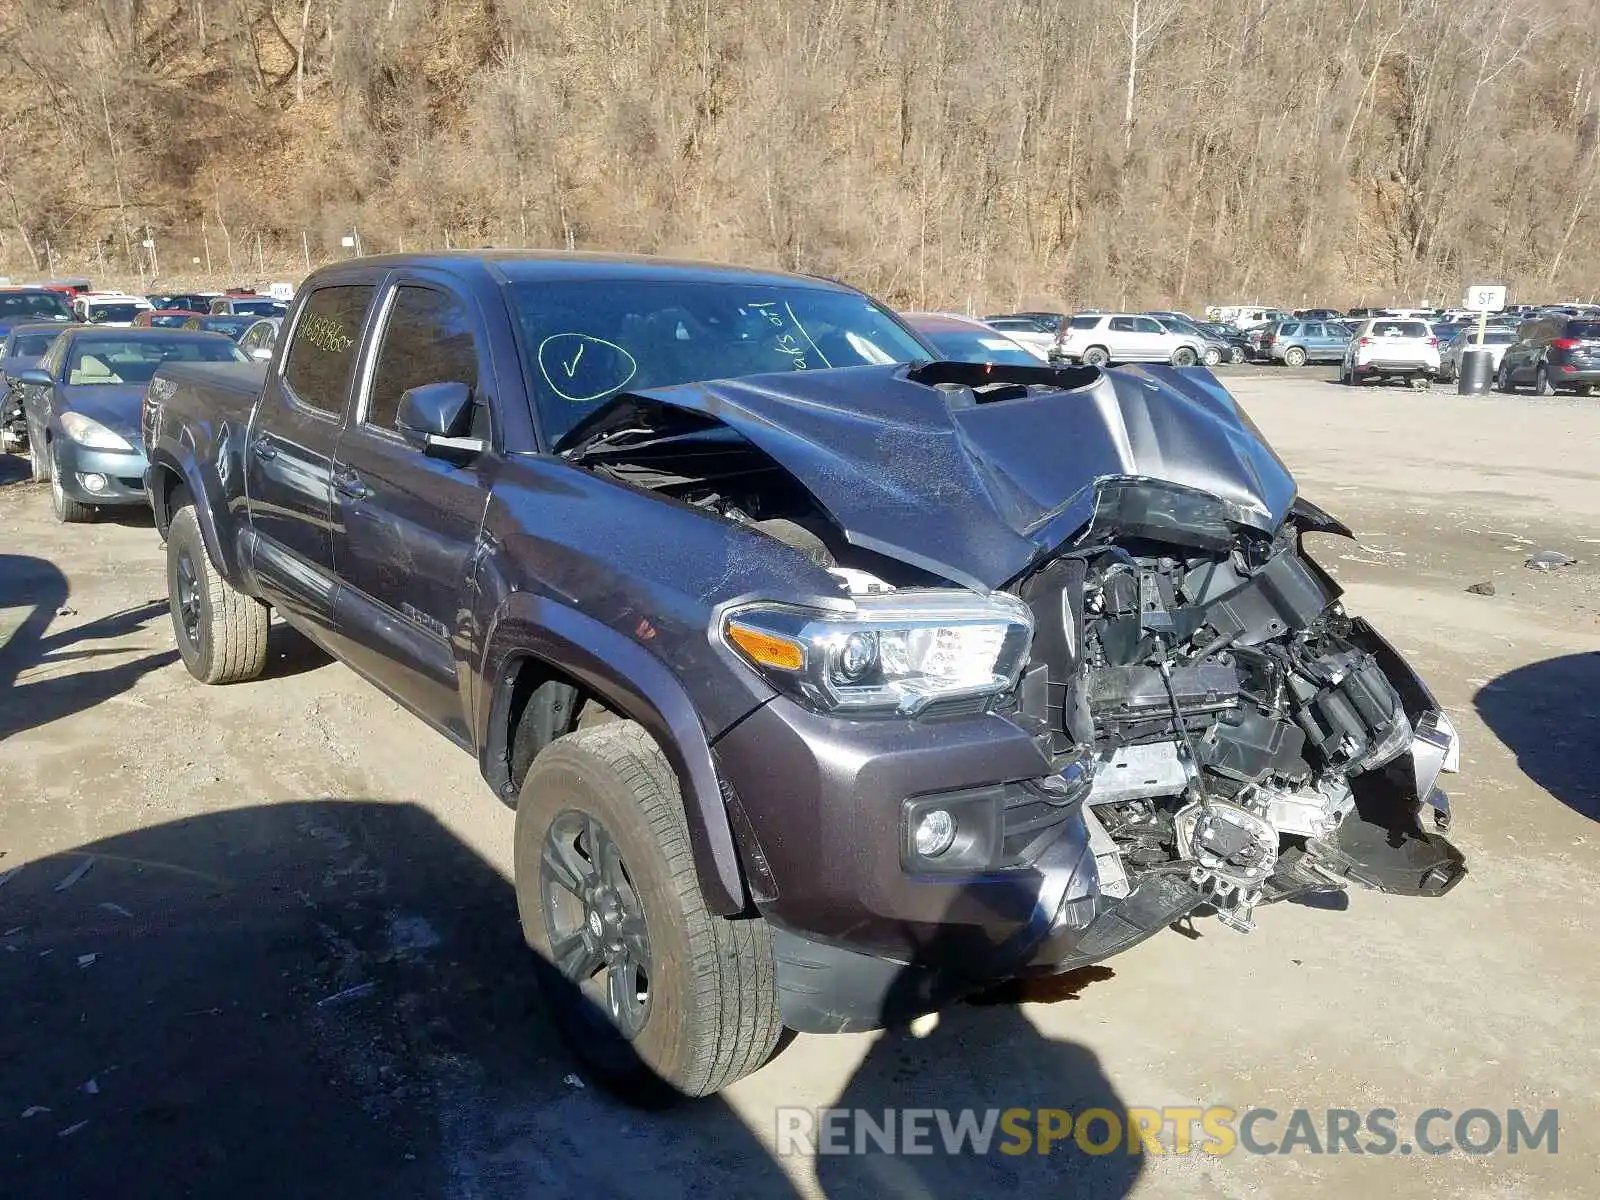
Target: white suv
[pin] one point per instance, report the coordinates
(1098, 339)
(1391, 348)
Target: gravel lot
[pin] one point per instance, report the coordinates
(292, 966)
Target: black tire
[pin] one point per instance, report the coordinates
(1502, 380)
(710, 1013)
(1095, 356)
(1294, 356)
(1184, 356)
(221, 632)
(1236, 355)
(68, 511)
(1541, 381)
(38, 459)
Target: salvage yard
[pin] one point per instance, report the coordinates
(261, 940)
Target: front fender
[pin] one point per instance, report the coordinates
(209, 498)
(632, 682)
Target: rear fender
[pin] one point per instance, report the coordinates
(635, 685)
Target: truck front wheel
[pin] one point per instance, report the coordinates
(221, 632)
(657, 994)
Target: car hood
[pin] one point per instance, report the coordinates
(114, 405)
(913, 465)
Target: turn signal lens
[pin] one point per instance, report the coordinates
(767, 649)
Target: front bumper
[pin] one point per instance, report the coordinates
(122, 470)
(819, 806)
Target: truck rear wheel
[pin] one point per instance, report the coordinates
(656, 993)
(221, 632)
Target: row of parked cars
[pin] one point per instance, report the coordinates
(74, 365)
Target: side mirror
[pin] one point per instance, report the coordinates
(431, 418)
(34, 375)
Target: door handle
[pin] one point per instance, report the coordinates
(347, 483)
(263, 448)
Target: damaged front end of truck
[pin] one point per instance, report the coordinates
(1217, 731)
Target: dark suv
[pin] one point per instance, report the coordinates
(829, 682)
(1554, 352)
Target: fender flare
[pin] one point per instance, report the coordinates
(224, 553)
(636, 685)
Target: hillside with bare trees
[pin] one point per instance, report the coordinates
(1019, 152)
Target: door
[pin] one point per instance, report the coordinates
(1154, 343)
(407, 524)
(1314, 337)
(289, 455)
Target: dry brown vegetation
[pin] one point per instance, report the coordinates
(935, 152)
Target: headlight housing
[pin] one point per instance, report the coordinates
(88, 432)
(895, 653)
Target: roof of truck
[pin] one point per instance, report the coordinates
(514, 266)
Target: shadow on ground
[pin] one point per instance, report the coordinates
(1548, 715)
(332, 998)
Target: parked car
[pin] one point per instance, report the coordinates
(1296, 343)
(114, 309)
(1098, 339)
(81, 406)
(1051, 321)
(1252, 318)
(163, 318)
(21, 349)
(1025, 331)
(967, 339)
(246, 306)
(1386, 348)
(227, 325)
(195, 302)
(1212, 349)
(1495, 341)
(25, 305)
(933, 617)
(260, 338)
(1552, 354)
(1230, 336)
(1317, 314)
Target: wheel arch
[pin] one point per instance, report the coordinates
(532, 642)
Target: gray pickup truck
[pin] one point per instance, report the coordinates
(829, 681)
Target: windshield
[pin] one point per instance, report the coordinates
(973, 345)
(15, 305)
(99, 314)
(30, 345)
(96, 360)
(585, 341)
(234, 327)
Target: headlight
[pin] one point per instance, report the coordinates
(896, 653)
(90, 433)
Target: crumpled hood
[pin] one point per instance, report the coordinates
(976, 492)
(114, 405)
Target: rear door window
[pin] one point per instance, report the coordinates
(1122, 325)
(1147, 325)
(1583, 329)
(327, 339)
(1084, 322)
(427, 339)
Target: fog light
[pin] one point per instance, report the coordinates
(93, 482)
(936, 830)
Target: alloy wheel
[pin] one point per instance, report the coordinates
(189, 608)
(594, 919)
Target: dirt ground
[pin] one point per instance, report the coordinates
(260, 940)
